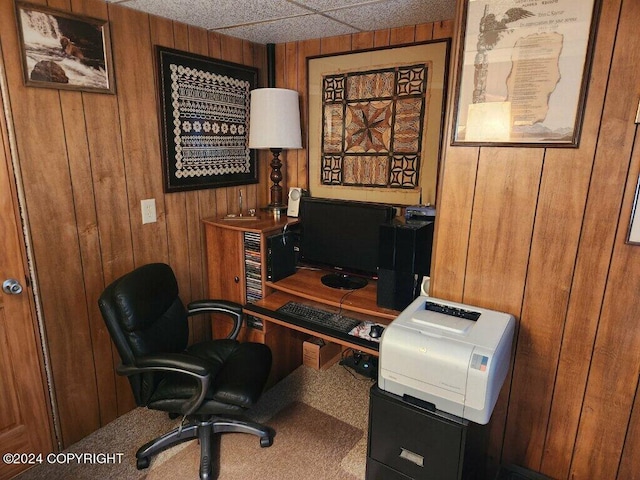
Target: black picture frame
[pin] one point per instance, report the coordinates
(204, 115)
(64, 51)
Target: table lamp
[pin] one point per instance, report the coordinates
(274, 123)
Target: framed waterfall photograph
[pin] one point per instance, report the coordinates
(64, 51)
(523, 72)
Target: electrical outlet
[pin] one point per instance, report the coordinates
(148, 210)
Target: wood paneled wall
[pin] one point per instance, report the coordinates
(540, 233)
(87, 160)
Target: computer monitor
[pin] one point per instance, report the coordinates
(343, 236)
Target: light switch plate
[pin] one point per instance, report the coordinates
(148, 207)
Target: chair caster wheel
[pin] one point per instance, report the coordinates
(142, 463)
(266, 442)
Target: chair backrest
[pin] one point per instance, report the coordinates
(145, 315)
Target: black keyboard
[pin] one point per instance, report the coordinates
(318, 316)
(452, 311)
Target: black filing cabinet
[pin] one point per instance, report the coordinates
(409, 442)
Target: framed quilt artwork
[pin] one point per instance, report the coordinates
(375, 123)
(204, 112)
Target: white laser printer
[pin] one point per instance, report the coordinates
(452, 355)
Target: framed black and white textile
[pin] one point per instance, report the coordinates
(523, 72)
(204, 113)
(375, 123)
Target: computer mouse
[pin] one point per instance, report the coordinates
(376, 331)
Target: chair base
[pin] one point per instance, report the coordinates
(202, 430)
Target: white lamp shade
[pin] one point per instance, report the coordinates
(274, 119)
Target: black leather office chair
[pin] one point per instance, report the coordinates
(209, 383)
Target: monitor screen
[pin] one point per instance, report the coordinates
(342, 235)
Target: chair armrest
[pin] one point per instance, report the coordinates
(232, 309)
(168, 362)
(174, 362)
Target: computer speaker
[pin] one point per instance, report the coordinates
(295, 193)
(404, 259)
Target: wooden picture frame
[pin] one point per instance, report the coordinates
(523, 72)
(633, 237)
(64, 51)
(204, 113)
(394, 96)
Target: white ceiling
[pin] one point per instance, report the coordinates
(280, 21)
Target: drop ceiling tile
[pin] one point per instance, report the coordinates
(267, 21)
(289, 29)
(221, 13)
(394, 13)
(324, 5)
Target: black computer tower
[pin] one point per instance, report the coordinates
(281, 257)
(404, 258)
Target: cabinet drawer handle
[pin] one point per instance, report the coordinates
(412, 457)
(236, 279)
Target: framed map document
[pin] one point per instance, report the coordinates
(523, 72)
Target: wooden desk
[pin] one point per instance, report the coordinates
(236, 268)
(305, 286)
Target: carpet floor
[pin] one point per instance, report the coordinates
(320, 418)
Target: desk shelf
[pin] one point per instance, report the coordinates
(306, 283)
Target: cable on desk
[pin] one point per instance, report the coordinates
(342, 300)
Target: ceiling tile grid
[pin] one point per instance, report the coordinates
(393, 13)
(281, 21)
(218, 13)
(290, 29)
